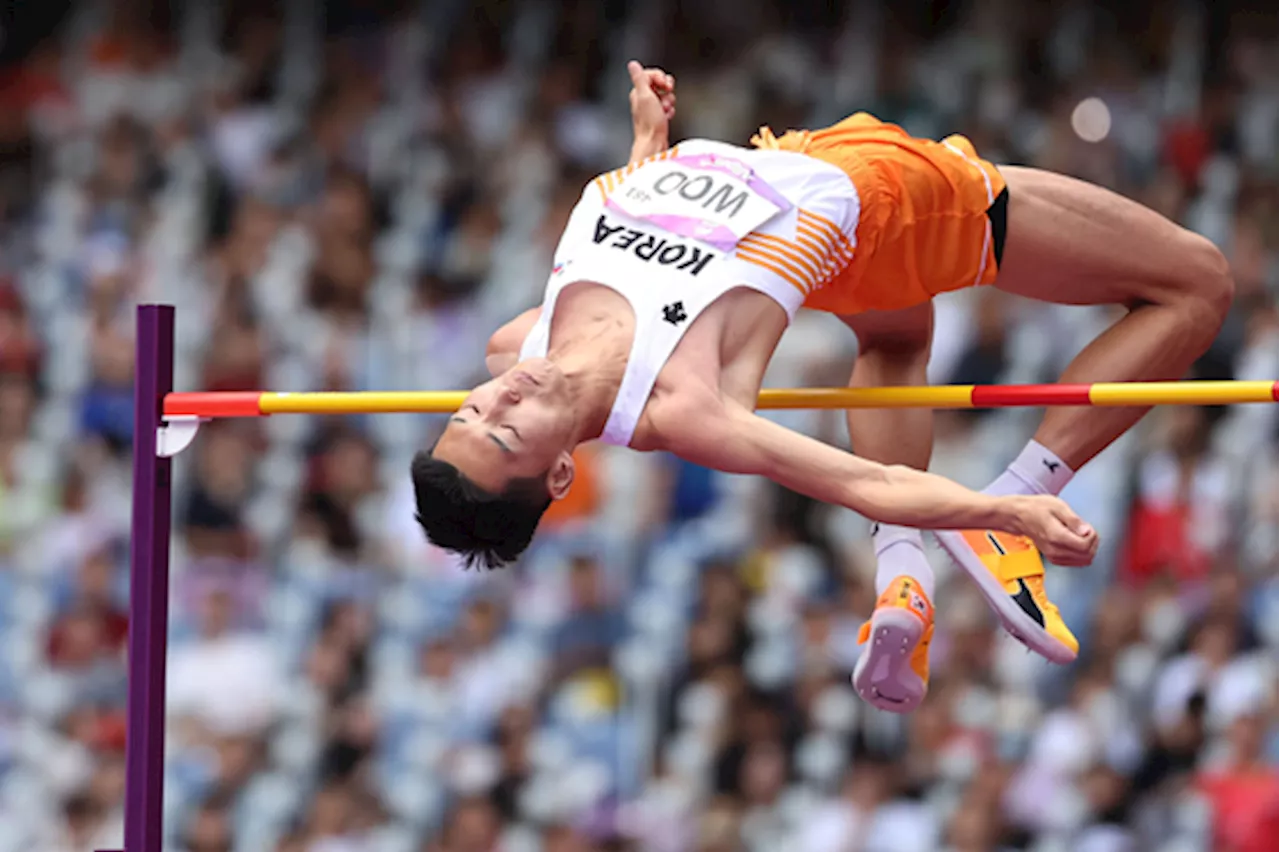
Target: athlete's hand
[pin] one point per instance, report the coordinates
(1063, 538)
(653, 101)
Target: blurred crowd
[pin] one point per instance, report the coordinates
(352, 198)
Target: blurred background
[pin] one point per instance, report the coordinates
(352, 197)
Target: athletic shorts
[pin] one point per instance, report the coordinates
(932, 218)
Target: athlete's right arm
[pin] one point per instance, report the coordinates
(503, 351)
(734, 440)
(653, 105)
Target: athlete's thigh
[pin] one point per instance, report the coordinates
(1075, 243)
(907, 331)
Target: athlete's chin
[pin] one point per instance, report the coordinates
(537, 375)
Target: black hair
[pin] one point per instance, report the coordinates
(488, 530)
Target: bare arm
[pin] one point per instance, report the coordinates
(653, 105)
(737, 441)
(504, 345)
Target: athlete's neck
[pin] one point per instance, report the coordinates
(593, 358)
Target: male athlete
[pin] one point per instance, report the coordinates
(677, 275)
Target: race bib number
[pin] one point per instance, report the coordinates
(715, 200)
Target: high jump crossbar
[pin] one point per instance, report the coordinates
(165, 423)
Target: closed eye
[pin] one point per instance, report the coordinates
(513, 429)
(492, 437)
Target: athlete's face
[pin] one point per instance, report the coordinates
(516, 426)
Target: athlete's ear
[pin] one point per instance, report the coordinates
(560, 476)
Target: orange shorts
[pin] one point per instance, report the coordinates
(923, 227)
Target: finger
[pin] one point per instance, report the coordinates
(1069, 557)
(636, 71)
(1081, 550)
(642, 86)
(1072, 521)
(1064, 547)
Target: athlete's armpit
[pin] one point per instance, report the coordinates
(503, 351)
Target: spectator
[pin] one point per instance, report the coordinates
(212, 517)
(592, 627)
(474, 827)
(95, 603)
(356, 202)
(225, 681)
(209, 829)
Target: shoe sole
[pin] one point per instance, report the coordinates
(886, 659)
(1020, 625)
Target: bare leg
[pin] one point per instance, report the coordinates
(893, 349)
(1073, 243)
(892, 673)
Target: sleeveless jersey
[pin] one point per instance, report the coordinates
(676, 231)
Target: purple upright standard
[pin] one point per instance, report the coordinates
(148, 584)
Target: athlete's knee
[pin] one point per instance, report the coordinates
(1211, 281)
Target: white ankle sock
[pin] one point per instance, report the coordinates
(899, 553)
(1036, 470)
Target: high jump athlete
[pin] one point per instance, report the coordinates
(676, 277)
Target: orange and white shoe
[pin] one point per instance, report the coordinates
(892, 673)
(1010, 574)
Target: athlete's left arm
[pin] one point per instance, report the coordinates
(653, 105)
(503, 351)
(731, 439)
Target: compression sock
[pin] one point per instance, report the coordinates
(1036, 470)
(900, 553)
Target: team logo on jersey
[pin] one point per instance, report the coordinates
(674, 313)
(666, 251)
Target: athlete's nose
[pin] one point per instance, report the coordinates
(510, 395)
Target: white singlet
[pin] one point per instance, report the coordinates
(675, 232)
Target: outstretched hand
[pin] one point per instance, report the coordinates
(1061, 535)
(653, 101)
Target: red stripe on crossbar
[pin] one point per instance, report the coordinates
(997, 396)
(222, 404)
(1275, 391)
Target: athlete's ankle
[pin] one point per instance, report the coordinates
(900, 553)
(1036, 470)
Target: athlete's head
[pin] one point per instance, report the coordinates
(505, 455)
